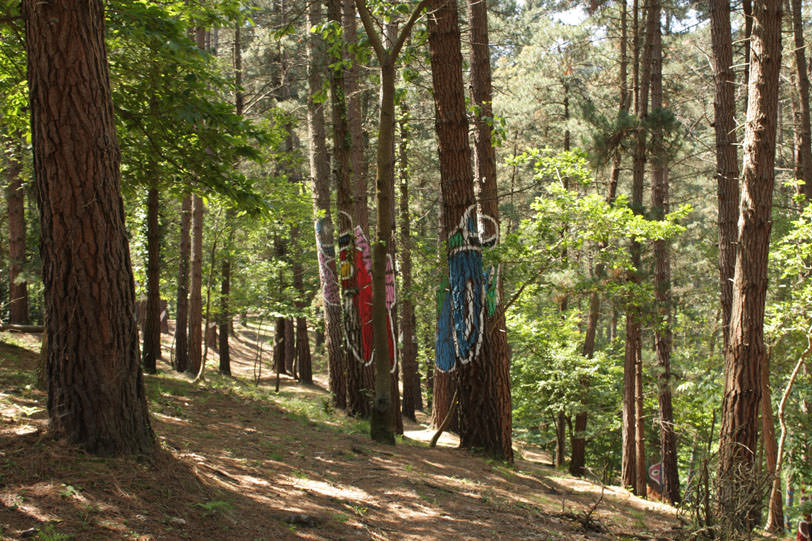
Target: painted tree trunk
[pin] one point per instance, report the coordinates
(15, 206)
(182, 316)
(358, 399)
(727, 167)
(96, 395)
(151, 350)
(495, 356)
(745, 352)
(323, 225)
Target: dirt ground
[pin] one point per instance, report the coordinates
(240, 461)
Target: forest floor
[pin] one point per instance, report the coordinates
(240, 461)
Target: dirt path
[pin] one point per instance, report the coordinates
(238, 461)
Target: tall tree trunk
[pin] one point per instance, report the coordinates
(225, 271)
(15, 205)
(632, 386)
(357, 400)
(96, 395)
(803, 148)
(481, 394)
(151, 351)
(662, 278)
(196, 287)
(727, 167)
(320, 173)
(355, 117)
(745, 352)
(495, 356)
(182, 316)
(412, 397)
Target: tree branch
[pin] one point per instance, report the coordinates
(407, 28)
(369, 26)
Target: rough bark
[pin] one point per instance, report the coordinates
(663, 335)
(355, 118)
(495, 355)
(727, 167)
(151, 350)
(182, 316)
(15, 206)
(96, 395)
(320, 174)
(358, 402)
(412, 398)
(745, 352)
(803, 147)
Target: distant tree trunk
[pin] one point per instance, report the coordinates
(279, 346)
(320, 173)
(727, 167)
(412, 398)
(745, 353)
(560, 438)
(303, 352)
(495, 356)
(15, 205)
(225, 270)
(152, 322)
(662, 279)
(803, 148)
(182, 317)
(96, 395)
(357, 400)
(290, 347)
(623, 107)
(196, 286)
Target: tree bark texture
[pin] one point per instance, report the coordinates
(412, 397)
(196, 287)
(96, 395)
(481, 404)
(358, 399)
(15, 205)
(323, 225)
(663, 336)
(727, 167)
(182, 316)
(151, 350)
(355, 117)
(745, 352)
(803, 147)
(495, 356)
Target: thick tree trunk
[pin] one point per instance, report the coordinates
(662, 279)
(727, 167)
(15, 206)
(196, 287)
(495, 356)
(481, 392)
(182, 316)
(412, 398)
(320, 173)
(358, 402)
(96, 393)
(151, 351)
(745, 353)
